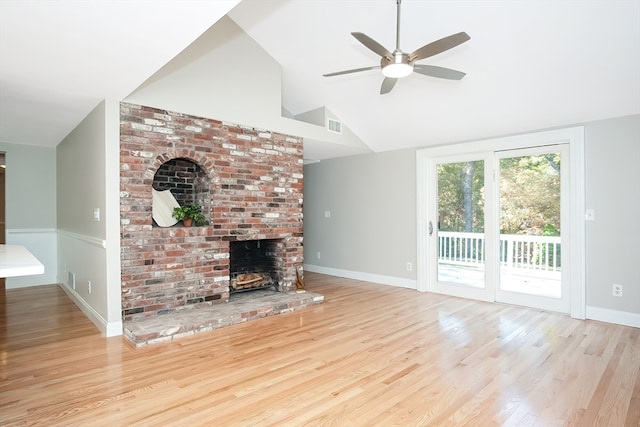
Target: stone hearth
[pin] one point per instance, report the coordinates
(242, 308)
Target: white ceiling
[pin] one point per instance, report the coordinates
(530, 64)
(60, 58)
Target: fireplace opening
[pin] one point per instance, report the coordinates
(254, 264)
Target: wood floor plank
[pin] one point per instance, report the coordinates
(370, 355)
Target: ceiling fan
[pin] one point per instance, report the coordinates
(398, 64)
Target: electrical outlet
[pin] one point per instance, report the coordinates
(409, 266)
(89, 285)
(617, 290)
(318, 254)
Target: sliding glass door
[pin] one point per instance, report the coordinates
(503, 222)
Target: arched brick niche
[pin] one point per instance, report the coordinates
(188, 182)
(250, 182)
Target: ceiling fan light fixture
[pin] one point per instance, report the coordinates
(396, 71)
(397, 64)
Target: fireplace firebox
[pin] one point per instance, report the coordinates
(254, 264)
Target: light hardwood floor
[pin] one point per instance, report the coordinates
(370, 355)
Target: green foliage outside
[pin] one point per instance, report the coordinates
(453, 214)
(529, 196)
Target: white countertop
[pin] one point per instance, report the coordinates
(18, 261)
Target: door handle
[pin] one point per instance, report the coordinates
(430, 228)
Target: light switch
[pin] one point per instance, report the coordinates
(327, 214)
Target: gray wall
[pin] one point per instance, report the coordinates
(81, 176)
(31, 207)
(87, 179)
(372, 204)
(373, 214)
(30, 186)
(613, 192)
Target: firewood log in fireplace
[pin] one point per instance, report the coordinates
(250, 280)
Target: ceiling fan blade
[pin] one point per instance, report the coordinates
(373, 45)
(440, 72)
(439, 46)
(355, 70)
(387, 84)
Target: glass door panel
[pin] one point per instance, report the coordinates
(530, 186)
(460, 227)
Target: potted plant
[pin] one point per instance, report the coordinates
(188, 214)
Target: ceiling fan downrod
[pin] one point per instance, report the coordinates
(399, 65)
(398, 25)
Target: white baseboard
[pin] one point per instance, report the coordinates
(614, 316)
(624, 318)
(13, 285)
(357, 275)
(108, 329)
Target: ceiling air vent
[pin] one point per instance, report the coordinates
(334, 126)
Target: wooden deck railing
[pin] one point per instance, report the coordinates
(518, 251)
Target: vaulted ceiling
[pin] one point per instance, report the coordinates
(60, 58)
(530, 64)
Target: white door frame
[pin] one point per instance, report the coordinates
(574, 261)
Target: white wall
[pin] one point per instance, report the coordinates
(87, 168)
(225, 75)
(371, 232)
(30, 207)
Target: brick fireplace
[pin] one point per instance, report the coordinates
(249, 182)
